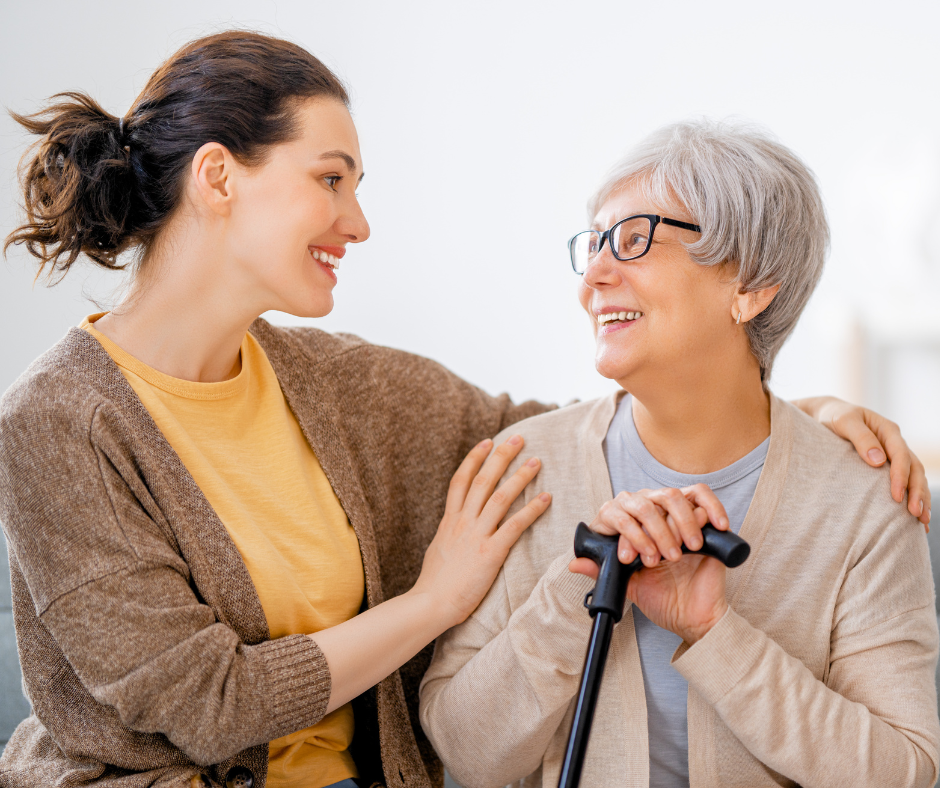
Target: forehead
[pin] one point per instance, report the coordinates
(326, 125)
(633, 198)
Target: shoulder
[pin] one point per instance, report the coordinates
(826, 476)
(60, 389)
(563, 427)
(820, 459)
(347, 353)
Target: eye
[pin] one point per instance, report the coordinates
(332, 180)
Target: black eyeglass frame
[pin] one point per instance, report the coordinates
(654, 221)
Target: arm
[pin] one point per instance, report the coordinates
(459, 567)
(495, 656)
(877, 440)
(111, 589)
(872, 721)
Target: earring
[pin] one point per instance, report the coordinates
(738, 321)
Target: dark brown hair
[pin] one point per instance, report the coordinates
(101, 185)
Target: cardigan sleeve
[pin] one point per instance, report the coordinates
(873, 720)
(495, 655)
(111, 590)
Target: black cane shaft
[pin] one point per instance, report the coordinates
(594, 662)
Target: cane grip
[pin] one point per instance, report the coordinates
(612, 578)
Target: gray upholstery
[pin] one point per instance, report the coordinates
(13, 705)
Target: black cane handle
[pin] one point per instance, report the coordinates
(613, 577)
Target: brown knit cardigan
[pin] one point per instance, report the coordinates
(145, 651)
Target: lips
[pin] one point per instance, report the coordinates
(609, 315)
(324, 255)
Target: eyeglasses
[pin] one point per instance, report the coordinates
(629, 239)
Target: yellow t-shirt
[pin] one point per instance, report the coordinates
(244, 448)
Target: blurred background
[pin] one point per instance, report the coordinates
(485, 126)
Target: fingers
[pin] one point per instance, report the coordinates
(584, 566)
(851, 424)
(460, 482)
(499, 502)
(918, 493)
(654, 524)
(510, 531)
(643, 527)
(486, 478)
(702, 495)
(680, 510)
(898, 453)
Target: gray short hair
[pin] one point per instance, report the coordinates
(758, 205)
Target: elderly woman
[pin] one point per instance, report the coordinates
(812, 664)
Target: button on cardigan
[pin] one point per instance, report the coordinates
(145, 651)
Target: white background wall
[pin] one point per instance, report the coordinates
(484, 127)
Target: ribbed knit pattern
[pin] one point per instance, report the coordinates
(145, 651)
(821, 674)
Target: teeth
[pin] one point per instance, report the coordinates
(612, 316)
(324, 257)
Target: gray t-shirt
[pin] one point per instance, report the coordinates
(633, 468)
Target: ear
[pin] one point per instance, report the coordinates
(212, 170)
(750, 305)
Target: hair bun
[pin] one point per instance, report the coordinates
(78, 184)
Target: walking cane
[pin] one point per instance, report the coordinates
(605, 604)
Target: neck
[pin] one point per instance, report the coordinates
(704, 426)
(186, 314)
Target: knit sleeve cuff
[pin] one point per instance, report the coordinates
(567, 585)
(717, 662)
(298, 682)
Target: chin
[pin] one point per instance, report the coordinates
(314, 307)
(614, 366)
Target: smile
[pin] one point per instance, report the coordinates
(324, 257)
(618, 317)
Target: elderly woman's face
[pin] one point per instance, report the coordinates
(681, 311)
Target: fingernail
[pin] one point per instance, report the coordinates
(486, 442)
(533, 462)
(725, 522)
(877, 456)
(696, 544)
(675, 554)
(545, 497)
(515, 440)
(921, 508)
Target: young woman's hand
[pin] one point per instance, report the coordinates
(464, 557)
(877, 440)
(683, 593)
(459, 567)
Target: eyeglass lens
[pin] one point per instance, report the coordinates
(629, 239)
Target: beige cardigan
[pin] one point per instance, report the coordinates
(821, 674)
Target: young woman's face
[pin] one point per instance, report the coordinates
(295, 214)
(681, 310)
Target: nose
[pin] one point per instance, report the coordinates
(602, 271)
(353, 224)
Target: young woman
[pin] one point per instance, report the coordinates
(223, 534)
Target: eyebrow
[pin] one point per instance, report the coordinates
(348, 160)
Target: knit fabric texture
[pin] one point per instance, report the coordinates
(820, 674)
(145, 651)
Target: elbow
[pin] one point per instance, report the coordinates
(475, 754)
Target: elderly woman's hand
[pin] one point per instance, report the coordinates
(876, 439)
(684, 593)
